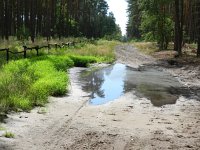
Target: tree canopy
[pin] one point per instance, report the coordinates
(56, 18)
(165, 21)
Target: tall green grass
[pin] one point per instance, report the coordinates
(83, 61)
(26, 83)
(29, 82)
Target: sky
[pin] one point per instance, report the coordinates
(119, 7)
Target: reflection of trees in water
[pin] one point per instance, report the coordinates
(94, 81)
(156, 88)
(128, 78)
(158, 94)
(108, 70)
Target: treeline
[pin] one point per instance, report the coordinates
(56, 18)
(165, 21)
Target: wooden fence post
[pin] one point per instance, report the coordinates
(25, 48)
(49, 47)
(37, 50)
(7, 55)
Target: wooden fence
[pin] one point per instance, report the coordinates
(36, 48)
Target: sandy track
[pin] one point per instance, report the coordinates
(129, 123)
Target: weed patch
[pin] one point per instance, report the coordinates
(9, 135)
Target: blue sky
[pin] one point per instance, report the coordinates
(119, 7)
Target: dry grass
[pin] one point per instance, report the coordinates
(188, 58)
(146, 47)
(151, 48)
(100, 48)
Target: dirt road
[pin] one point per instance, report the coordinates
(129, 123)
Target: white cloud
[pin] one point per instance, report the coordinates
(119, 7)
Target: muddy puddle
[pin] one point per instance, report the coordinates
(109, 83)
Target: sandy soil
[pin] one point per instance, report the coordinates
(129, 123)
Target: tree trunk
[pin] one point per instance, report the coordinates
(178, 26)
(198, 49)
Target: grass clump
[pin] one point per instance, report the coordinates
(9, 135)
(14, 82)
(49, 81)
(83, 61)
(26, 83)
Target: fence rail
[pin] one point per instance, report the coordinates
(36, 48)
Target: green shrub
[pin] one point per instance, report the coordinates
(83, 61)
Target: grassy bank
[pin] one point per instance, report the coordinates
(26, 83)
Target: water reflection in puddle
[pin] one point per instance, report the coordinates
(110, 83)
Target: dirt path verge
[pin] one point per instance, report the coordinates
(126, 123)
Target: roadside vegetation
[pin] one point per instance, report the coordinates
(26, 83)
